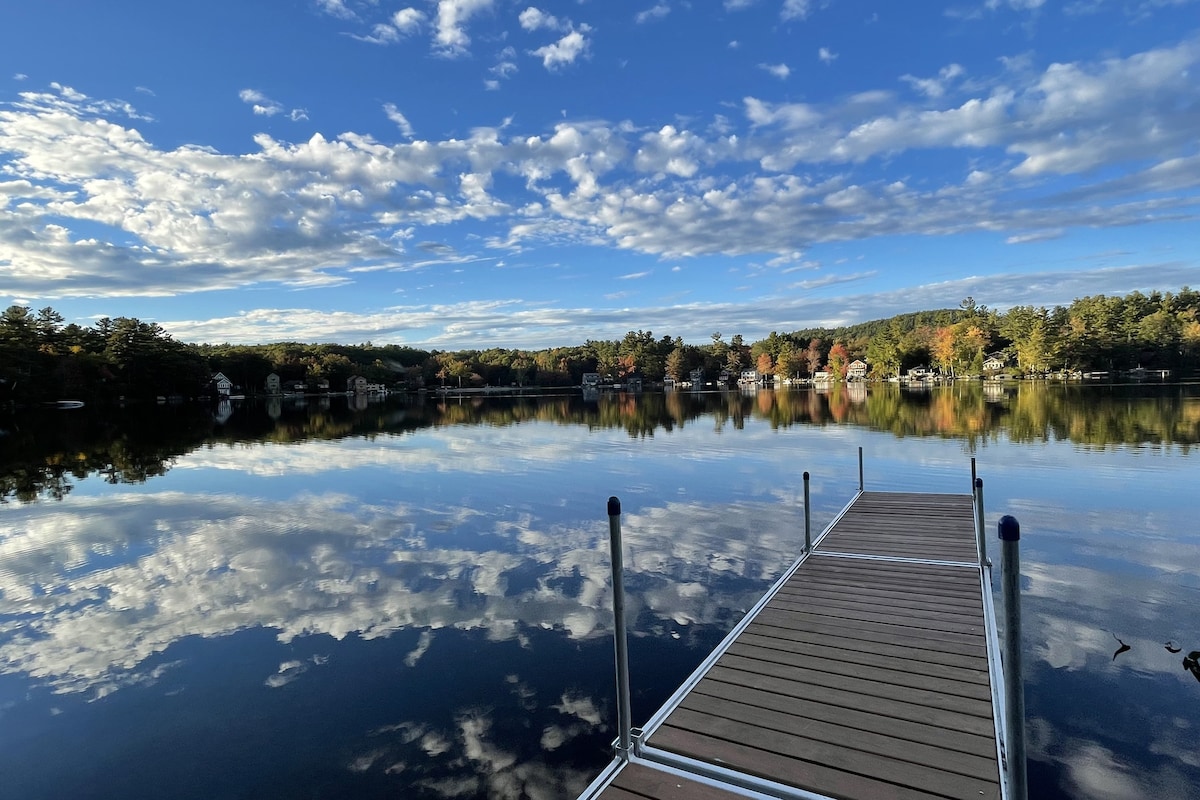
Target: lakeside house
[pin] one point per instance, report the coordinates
(994, 362)
(356, 384)
(274, 384)
(748, 377)
(696, 377)
(633, 383)
(857, 371)
(591, 380)
(223, 385)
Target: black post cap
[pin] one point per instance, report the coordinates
(805, 476)
(614, 506)
(1010, 529)
(979, 483)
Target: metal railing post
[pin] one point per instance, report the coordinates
(1014, 689)
(860, 470)
(973, 473)
(807, 518)
(624, 715)
(982, 538)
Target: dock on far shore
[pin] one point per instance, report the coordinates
(871, 669)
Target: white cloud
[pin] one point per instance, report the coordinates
(935, 87)
(319, 212)
(565, 51)
(655, 12)
(505, 67)
(408, 20)
(450, 37)
(298, 114)
(336, 8)
(261, 104)
(826, 55)
(20, 76)
(533, 19)
(399, 119)
(780, 71)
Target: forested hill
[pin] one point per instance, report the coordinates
(41, 358)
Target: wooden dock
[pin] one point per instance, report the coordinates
(869, 671)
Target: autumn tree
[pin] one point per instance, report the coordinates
(812, 357)
(839, 360)
(764, 365)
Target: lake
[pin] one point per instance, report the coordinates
(410, 598)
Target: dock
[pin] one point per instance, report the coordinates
(870, 670)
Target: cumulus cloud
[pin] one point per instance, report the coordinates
(826, 55)
(450, 36)
(91, 206)
(780, 71)
(564, 51)
(533, 19)
(408, 20)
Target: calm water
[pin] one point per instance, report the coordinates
(411, 599)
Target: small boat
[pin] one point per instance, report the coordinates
(65, 404)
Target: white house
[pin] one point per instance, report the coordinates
(223, 384)
(994, 362)
(857, 370)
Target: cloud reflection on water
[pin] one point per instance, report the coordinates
(147, 570)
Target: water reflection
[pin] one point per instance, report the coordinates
(43, 454)
(88, 595)
(412, 598)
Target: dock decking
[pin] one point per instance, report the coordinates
(864, 674)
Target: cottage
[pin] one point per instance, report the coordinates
(224, 385)
(748, 377)
(356, 384)
(696, 376)
(274, 385)
(633, 383)
(994, 362)
(857, 371)
(591, 380)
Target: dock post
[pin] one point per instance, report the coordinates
(807, 518)
(982, 538)
(624, 715)
(1014, 689)
(860, 470)
(973, 473)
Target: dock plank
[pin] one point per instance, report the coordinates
(865, 675)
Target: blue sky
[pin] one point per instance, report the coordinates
(473, 173)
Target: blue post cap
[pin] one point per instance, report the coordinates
(979, 483)
(1010, 529)
(805, 476)
(614, 506)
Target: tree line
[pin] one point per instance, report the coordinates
(41, 358)
(48, 453)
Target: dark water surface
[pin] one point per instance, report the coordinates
(411, 598)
